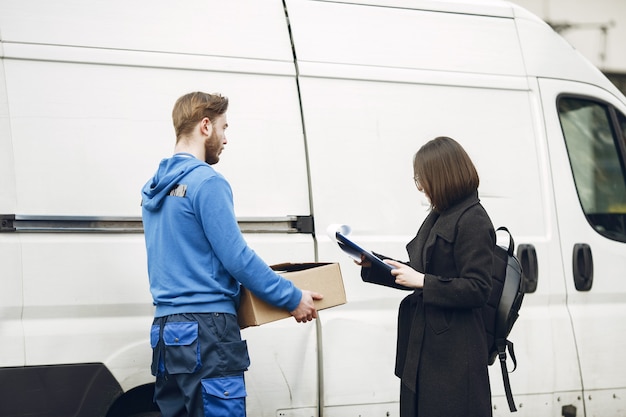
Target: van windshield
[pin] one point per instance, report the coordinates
(595, 138)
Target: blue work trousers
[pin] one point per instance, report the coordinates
(199, 361)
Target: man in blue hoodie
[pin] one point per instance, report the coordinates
(197, 259)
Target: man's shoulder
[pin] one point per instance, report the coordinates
(203, 172)
(204, 179)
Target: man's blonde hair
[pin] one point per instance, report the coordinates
(193, 107)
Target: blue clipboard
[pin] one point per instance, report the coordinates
(355, 251)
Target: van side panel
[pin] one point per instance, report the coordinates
(7, 167)
(87, 93)
(86, 148)
(390, 96)
(11, 330)
(106, 94)
(421, 39)
(370, 158)
(252, 29)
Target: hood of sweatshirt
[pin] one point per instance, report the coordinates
(168, 175)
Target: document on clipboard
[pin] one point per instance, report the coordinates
(352, 249)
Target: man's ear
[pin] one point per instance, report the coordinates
(206, 127)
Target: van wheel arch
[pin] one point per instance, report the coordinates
(137, 402)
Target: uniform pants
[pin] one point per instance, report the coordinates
(199, 361)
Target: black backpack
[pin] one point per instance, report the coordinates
(502, 309)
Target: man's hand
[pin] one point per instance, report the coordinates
(306, 309)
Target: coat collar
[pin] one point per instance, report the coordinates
(448, 219)
(437, 225)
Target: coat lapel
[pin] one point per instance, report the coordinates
(435, 225)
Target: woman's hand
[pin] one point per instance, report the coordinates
(364, 262)
(405, 275)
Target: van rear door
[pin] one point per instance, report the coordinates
(587, 126)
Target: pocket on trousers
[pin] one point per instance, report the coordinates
(182, 350)
(234, 356)
(157, 365)
(224, 397)
(154, 335)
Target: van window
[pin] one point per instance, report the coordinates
(595, 147)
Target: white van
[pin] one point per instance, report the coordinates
(329, 102)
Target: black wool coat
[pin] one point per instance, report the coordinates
(441, 354)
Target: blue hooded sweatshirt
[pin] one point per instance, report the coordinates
(197, 256)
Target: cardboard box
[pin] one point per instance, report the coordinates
(324, 278)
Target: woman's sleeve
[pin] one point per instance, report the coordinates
(381, 276)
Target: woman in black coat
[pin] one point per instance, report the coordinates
(441, 354)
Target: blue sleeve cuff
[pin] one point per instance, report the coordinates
(294, 300)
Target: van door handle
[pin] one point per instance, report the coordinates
(582, 261)
(527, 256)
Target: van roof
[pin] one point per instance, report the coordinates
(497, 8)
(545, 53)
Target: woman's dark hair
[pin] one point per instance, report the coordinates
(445, 172)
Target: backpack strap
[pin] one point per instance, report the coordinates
(511, 246)
(503, 345)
